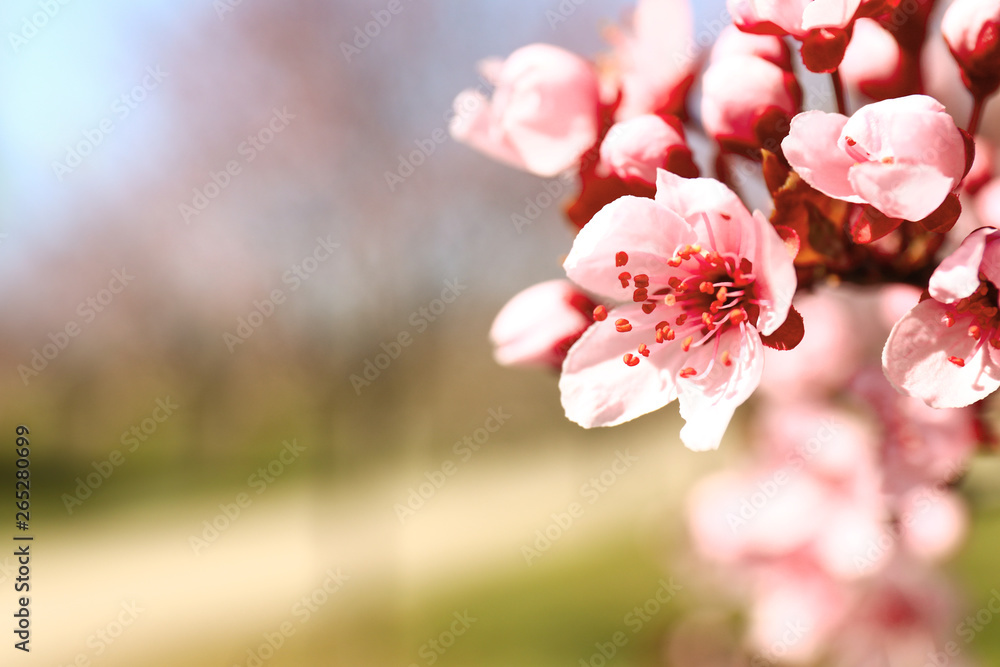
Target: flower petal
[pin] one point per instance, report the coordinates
(811, 148)
(829, 13)
(915, 359)
(958, 274)
(907, 191)
(707, 403)
(598, 389)
(647, 231)
(532, 326)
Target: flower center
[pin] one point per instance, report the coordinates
(981, 307)
(709, 294)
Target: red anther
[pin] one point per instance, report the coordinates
(721, 295)
(643, 350)
(648, 307)
(706, 319)
(622, 325)
(640, 295)
(948, 319)
(675, 282)
(974, 331)
(662, 325)
(726, 216)
(726, 358)
(851, 142)
(706, 287)
(695, 249)
(659, 335)
(958, 361)
(621, 259)
(681, 319)
(688, 372)
(686, 343)
(670, 299)
(630, 359)
(670, 334)
(714, 307)
(600, 313)
(738, 316)
(674, 262)
(624, 276)
(641, 280)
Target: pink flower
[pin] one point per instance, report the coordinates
(987, 203)
(972, 30)
(634, 149)
(654, 58)
(539, 325)
(544, 114)
(734, 42)
(946, 350)
(746, 99)
(876, 65)
(903, 156)
(701, 280)
(823, 26)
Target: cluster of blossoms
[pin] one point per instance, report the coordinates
(881, 234)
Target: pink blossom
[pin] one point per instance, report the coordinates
(699, 280)
(971, 29)
(745, 99)
(920, 446)
(544, 114)
(933, 523)
(538, 325)
(826, 358)
(823, 26)
(903, 156)
(654, 58)
(875, 64)
(987, 203)
(734, 42)
(634, 149)
(946, 350)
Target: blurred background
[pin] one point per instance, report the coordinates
(265, 423)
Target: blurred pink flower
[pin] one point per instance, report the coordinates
(921, 446)
(933, 523)
(823, 26)
(971, 29)
(655, 58)
(946, 350)
(827, 357)
(734, 42)
(876, 65)
(634, 149)
(539, 325)
(747, 100)
(544, 114)
(987, 203)
(903, 156)
(702, 281)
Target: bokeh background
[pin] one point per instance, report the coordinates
(117, 116)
